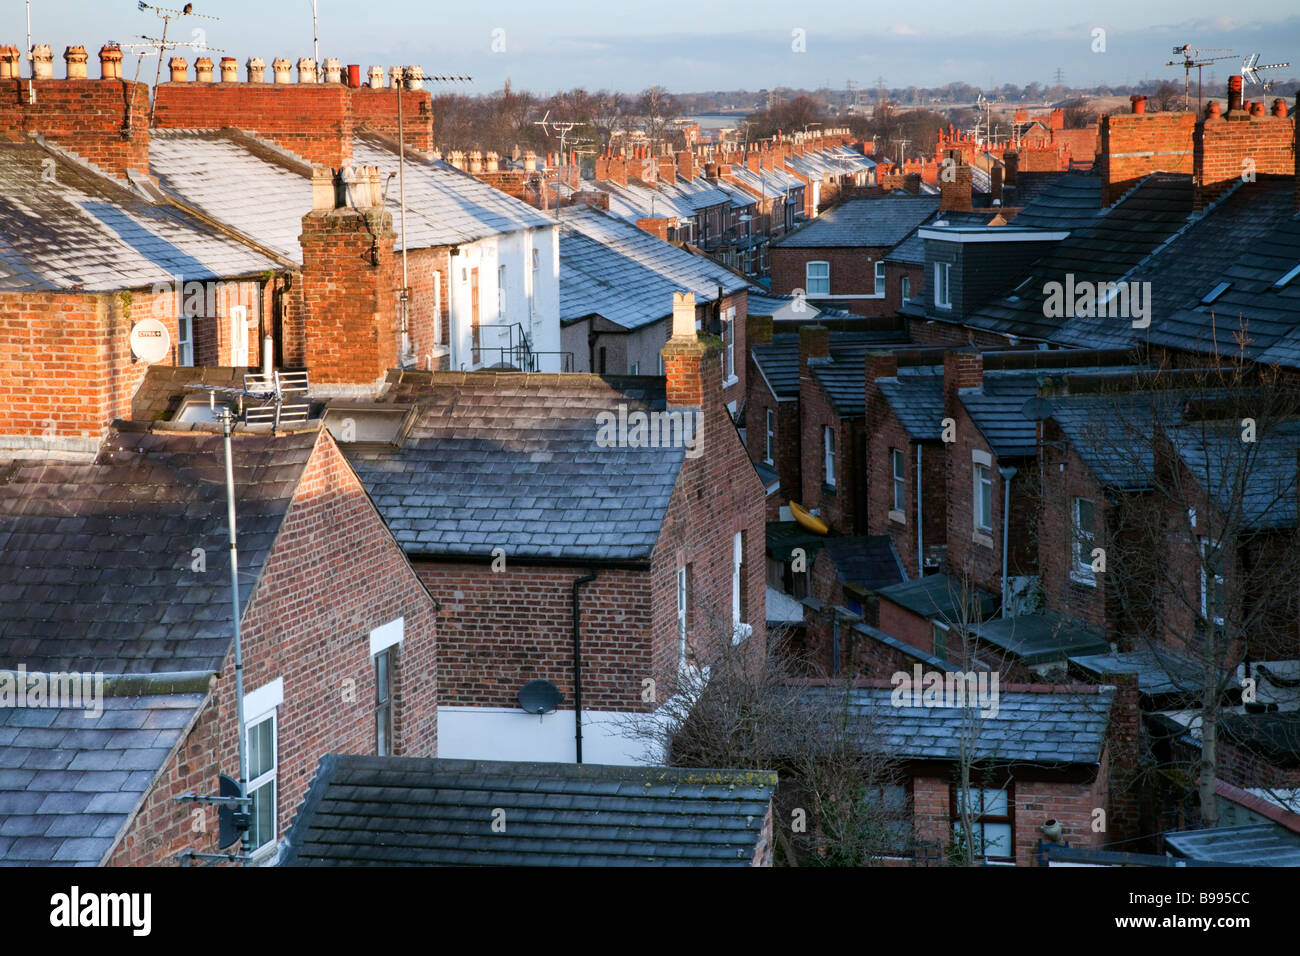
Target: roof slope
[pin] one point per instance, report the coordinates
(778, 360)
(863, 222)
(1064, 202)
(870, 561)
(497, 457)
(1043, 728)
(1256, 480)
(69, 779)
(96, 559)
(915, 395)
(83, 231)
(391, 811)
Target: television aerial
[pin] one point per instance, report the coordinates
(1251, 66)
(1193, 58)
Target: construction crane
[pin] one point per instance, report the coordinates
(1193, 58)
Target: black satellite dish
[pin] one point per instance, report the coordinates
(540, 697)
(232, 819)
(1037, 409)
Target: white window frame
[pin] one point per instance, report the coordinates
(532, 290)
(501, 292)
(904, 288)
(1204, 548)
(185, 340)
(898, 470)
(828, 455)
(634, 368)
(260, 706)
(437, 308)
(769, 422)
(983, 495)
(683, 604)
(729, 347)
(1082, 543)
(239, 336)
(942, 289)
(880, 279)
(740, 630)
(822, 280)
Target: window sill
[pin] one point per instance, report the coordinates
(946, 308)
(979, 537)
(1078, 577)
(828, 489)
(728, 382)
(898, 517)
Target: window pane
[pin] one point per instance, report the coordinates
(995, 803)
(262, 830)
(261, 748)
(997, 839)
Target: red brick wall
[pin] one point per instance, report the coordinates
(377, 110)
(334, 575)
(1056, 536)
(852, 273)
(1135, 144)
(349, 303)
(981, 558)
(1223, 144)
(894, 272)
(312, 120)
(786, 445)
(85, 117)
(888, 433)
(897, 621)
(424, 319)
(837, 506)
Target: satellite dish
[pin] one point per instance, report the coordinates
(232, 820)
(1037, 409)
(540, 697)
(150, 341)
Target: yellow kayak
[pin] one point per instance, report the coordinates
(808, 519)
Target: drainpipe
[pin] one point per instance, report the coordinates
(1007, 474)
(577, 663)
(920, 546)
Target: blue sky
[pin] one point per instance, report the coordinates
(687, 45)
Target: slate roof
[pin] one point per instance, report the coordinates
(1041, 638)
(69, 780)
(96, 559)
(1266, 844)
(1111, 432)
(912, 249)
(1065, 202)
(86, 232)
(937, 596)
(1275, 735)
(1264, 475)
(869, 561)
(916, 397)
(778, 360)
(1102, 251)
(863, 222)
(639, 201)
(1042, 728)
(1159, 671)
(624, 274)
(218, 171)
(393, 811)
(511, 458)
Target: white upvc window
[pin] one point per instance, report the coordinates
(438, 337)
(942, 294)
(828, 455)
(239, 336)
(729, 346)
(898, 463)
(262, 754)
(817, 278)
(983, 497)
(1084, 537)
(770, 447)
(501, 292)
(683, 602)
(880, 277)
(905, 288)
(184, 340)
(532, 289)
(1212, 590)
(739, 629)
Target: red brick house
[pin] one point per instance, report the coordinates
(134, 596)
(565, 547)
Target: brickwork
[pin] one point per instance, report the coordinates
(334, 575)
(1133, 145)
(852, 275)
(105, 122)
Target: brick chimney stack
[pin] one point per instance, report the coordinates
(814, 347)
(690, 361)
(962, 369)
(955, 180)
(348, 274)
(1238, 141)
(686, 165)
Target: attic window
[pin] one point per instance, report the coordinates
(1282, 282)
(1217, 291)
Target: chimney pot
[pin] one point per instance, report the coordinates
(306, 70)
(1213, 110)
(1234, 93)
(354, 75)
(75, 58)
(1257, 108)
(110, 62)
(178, 67)
(375, 75)
(229, 70)
(415, 77)
(395, 76)
(684, 316)
(9, 56)
(281, 67)
(475, 161)
(1139, 103)
(323, 193)
(256, 69)
(333, 70)
(203, 69)
(1279, 107)
(42, 62)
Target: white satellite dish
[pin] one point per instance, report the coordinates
(150, 341)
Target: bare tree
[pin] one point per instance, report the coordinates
(657, 109)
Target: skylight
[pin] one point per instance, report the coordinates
(1287, 278)
(1214, 293)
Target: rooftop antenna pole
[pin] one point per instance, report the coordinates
(401, 189)
(315, 48)
(167, 15)
(31, 86)
(227, 424)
